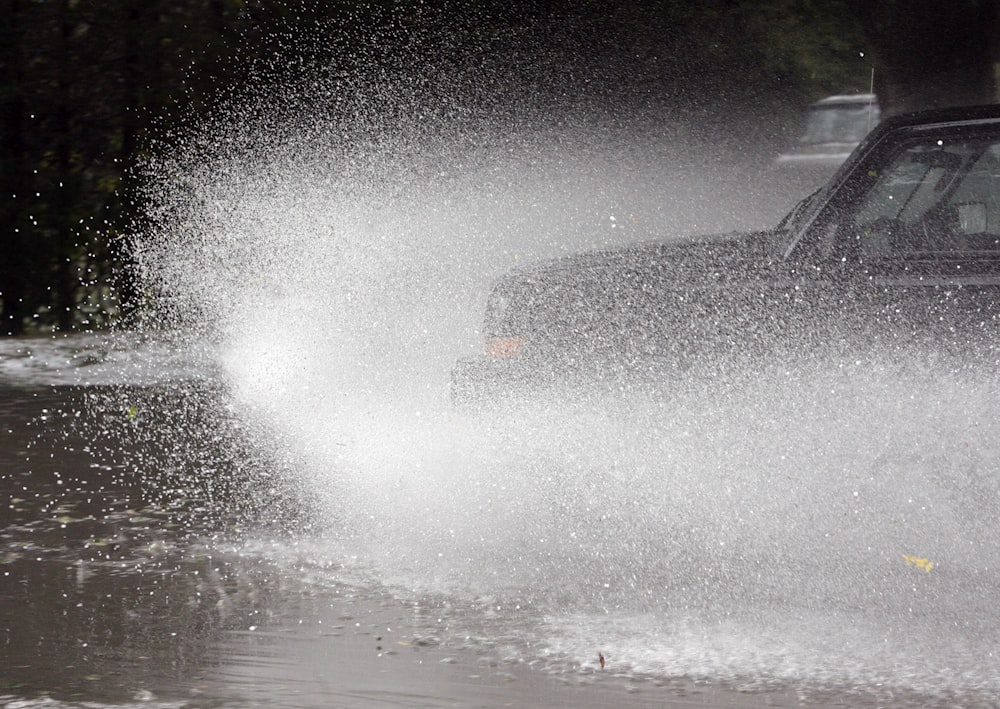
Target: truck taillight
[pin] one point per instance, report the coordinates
(503, 347)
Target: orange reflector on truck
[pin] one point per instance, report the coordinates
(503, 347)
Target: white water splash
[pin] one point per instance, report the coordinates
(341, 269)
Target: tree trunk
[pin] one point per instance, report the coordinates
(140, 54)
(13, 176)
(62, 200)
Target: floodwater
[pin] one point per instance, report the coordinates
(116, 592)
(714, 549)
(130, 576)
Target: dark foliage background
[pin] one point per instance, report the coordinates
(86, 86)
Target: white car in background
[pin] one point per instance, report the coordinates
(834, 127)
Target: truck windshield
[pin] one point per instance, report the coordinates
(930, 195)
(934, 196)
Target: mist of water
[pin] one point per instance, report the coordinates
(335, 264)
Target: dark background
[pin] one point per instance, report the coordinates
(90, 87)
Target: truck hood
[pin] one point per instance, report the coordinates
(584, 297)
(687, 262)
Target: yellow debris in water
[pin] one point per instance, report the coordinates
(918, 562)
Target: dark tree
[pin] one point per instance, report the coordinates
(931, 53)
(85, 86)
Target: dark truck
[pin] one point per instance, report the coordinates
(901, 248)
